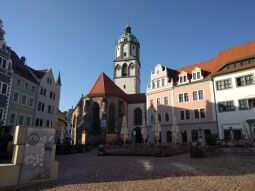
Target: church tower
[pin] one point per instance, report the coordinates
(127, 63)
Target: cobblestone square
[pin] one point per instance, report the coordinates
(86, 171)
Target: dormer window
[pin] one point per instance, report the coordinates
(196, 74)
(182, 79)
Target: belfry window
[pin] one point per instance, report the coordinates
(124, 70)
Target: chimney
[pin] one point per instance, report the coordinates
(23, 60)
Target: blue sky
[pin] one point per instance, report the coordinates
(78, 37)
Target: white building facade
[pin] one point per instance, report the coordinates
(235, 100)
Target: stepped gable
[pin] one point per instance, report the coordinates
(104, 86)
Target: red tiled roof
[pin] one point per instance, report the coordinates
(224, 57)
(244, 67)
(105, 86)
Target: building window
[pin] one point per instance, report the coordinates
(226, 106)
(33, 88)
(180, 98)
(247, 104)
(18, 82)
(51, 94)
(3, 88)
(49, 123)
(186, 97)
(26, 85)
(187, 114)
(166, 117)
(21, 120)
(166, 100)
(195, 95)
(1, 113)
(153, 84)
(163, 81)
(200, 94)
(182, 115)
(194, 76)
(31, 102)
(196, 113)
(125, 54)
(38, 122)
(183, 97)
(223, 84)
(158, 83)
(16, 97)
(198, 75)
(49, 108)
(24, 99)
(124, 70)
(244, 80)
(12, 118)
(28, 121)
(39, 106)
(158, 101)
(202, 113)
(180, 79)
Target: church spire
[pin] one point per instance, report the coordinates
(59, 79)
(2, 32)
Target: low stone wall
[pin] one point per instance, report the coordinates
(33, 158)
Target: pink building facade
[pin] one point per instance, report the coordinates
(205, 98)
(183, 98)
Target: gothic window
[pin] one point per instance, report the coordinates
(137, 116)
(112, 118)
(96, 120)
(124, 70)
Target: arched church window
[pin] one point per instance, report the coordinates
(112, 118)
(124, 70)
(138, 116)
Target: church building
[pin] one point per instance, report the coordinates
(98, 116)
